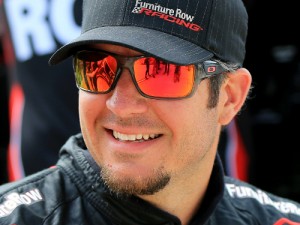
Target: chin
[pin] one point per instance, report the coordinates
(134, 183)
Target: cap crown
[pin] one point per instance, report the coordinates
(219, 26)
(179, 31)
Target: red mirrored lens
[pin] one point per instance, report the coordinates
(160, 79)
(94, 71)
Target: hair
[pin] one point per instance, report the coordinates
(215, 82)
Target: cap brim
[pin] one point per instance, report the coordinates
(148, 41)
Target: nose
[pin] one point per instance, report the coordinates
(125, 100)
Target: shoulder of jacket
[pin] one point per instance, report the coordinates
(260, 205)
(34, 197)
(27, 181)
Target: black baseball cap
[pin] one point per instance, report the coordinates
(177, 31)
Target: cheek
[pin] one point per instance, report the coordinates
(90, 104)
(91, 107)
(196, 139)
(194, 128)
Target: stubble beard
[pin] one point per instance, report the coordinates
(127, 186)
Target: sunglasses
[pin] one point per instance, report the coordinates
(98, 72)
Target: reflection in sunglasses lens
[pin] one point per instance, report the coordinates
(160, 79)
(96, 72)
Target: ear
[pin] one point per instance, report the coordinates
(233, 94)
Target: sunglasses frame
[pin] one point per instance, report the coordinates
(210, 68)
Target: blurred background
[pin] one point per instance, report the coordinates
(39, 106)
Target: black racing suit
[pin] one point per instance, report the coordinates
(72, 193)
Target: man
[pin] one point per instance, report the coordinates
(148, 149)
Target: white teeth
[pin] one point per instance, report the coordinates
(152, 135)
(139, 136)
(146, 136)
(133, 137)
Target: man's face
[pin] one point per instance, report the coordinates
(179, 137)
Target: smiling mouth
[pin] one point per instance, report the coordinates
(134, 137)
